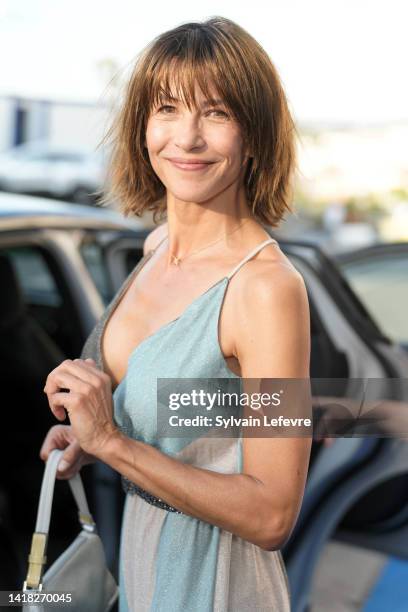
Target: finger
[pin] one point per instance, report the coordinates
(50, 442)
(91, 361)
(63, 365)
(78, 372)
(58, 412)
(60, 401)
(63, 379)
(59, 436)
(69, 471)
(90, 366)
(70, 457)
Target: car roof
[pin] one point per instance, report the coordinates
(23, 212)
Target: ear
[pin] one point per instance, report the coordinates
(248, 152)
(248, 155)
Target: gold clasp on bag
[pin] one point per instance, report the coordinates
(87, 522)
(36, 561)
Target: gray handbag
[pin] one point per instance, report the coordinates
(81, 569)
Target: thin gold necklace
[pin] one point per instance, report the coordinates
(176, 260)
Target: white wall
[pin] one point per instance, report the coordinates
(76, 125)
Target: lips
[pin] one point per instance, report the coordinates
(183, 164)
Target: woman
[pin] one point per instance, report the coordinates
(205, 135)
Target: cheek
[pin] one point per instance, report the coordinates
(156, 136)
(156, 139)
(227, 143)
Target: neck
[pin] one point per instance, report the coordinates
(192, 225)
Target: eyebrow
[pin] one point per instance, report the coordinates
(210, 102)
(213, 102)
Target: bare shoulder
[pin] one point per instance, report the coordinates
(270, 294)
(154, 237)
(271, 312)
(269, 279)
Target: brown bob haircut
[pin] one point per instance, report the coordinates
(218, 53)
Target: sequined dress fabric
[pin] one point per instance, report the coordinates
(170, 561)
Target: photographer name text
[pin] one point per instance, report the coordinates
(226, 422)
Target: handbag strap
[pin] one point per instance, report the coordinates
(47, 492)
(37, 557)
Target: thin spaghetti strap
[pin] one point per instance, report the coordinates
(157, 245)
(251, 254)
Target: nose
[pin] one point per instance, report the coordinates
(188, 132)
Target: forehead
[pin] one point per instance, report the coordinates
(194, 94)
(191, 85)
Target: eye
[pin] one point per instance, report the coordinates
(220, 113)
(166, 109)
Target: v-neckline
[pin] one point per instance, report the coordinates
(163, 327)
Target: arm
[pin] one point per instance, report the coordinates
(260, 504)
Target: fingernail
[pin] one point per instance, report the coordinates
(63, 465)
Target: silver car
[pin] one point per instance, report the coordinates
(43, 168)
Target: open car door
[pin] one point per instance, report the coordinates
(379, 276)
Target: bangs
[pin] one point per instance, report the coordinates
(177, 78)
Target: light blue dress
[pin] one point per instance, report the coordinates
(169, 561)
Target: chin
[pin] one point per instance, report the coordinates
(192, 195)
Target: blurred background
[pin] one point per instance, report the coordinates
(62, 257)
(342, 66)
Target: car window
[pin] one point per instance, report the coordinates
(34, 276)
(93, 256)
(46, 295)
(381, 284)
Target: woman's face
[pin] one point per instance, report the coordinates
(196, 154)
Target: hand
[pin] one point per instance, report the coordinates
(88, 402)
(72, 460)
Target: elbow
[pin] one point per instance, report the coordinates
(275, 536)
(275, 543)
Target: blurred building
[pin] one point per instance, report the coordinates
(61, 123)
(339, 162)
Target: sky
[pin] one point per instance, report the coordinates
(339, 60)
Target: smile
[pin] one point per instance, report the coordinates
(190, 166)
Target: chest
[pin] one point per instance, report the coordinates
(138, 319)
